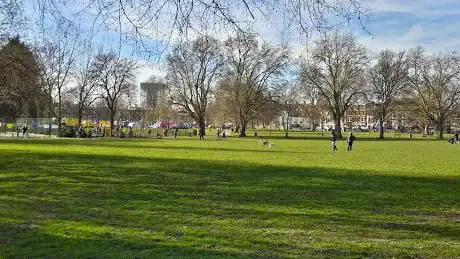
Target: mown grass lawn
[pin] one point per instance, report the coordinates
(185, 198)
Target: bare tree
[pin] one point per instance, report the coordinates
(337, 70)
(57, 59)
(387, 79)
(270, 112)
(11, 17)
(435, 81)
(219, 111)
(315, 102)
(165, 20)
(194, 69)
(252, 70)
(287, 98)
(114, 77)
(86, 90)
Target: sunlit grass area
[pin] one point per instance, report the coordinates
(109, 198)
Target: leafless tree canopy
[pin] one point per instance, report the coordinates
(85, 91)
(193, 71)
(316, 102)
(114, 77)
(11, 17)
(387, 79)
(252, 69)
(435, 81)
(140, 21)
(57, 59)
(337, 70)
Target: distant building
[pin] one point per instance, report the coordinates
(361, 115)
(153, 94)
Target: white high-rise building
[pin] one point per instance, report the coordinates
(153, 94)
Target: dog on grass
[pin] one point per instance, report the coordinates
(267, 143)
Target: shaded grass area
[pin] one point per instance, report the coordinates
(185, 198)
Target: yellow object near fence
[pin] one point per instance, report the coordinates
(70, 122)
(88, 123)
(9, 125)
(104, 123)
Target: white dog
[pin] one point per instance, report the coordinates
(267, 143)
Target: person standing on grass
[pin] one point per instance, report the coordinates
(79, 131)
(334, 141)
(218, 133)
(201, 133)
(350, 140)
(176, 131)
(453, 139)
(24, 130)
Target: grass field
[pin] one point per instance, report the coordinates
(107, 198)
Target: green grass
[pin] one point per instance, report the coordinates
(185, 198)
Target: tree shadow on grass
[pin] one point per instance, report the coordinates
(105, 205)
(137, 144)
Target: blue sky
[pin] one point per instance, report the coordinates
(394, 24)
(403, 24)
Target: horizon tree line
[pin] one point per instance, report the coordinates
(241, 76)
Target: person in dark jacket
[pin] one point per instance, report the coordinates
(201, 133)
(176, 132)
(350, 140)
(334, 141)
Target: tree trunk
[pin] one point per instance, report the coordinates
(59, 126)
(381, 135)
(59, 117)
(78, 125)
(80, 116)
(287, 127)
(441, 129)
(202, 125)
(243, 129)
(338, 128)
(112, 121)
(49, 123)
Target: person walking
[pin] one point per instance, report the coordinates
(218, 133)
(176, 132)
(24, 131)
(350, 140)
(201, 133)
(334, 141)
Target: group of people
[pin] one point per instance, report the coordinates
(350, 139)
(25, 131)
(221, 135)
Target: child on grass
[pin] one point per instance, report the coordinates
(350, 140)
(334, 141)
